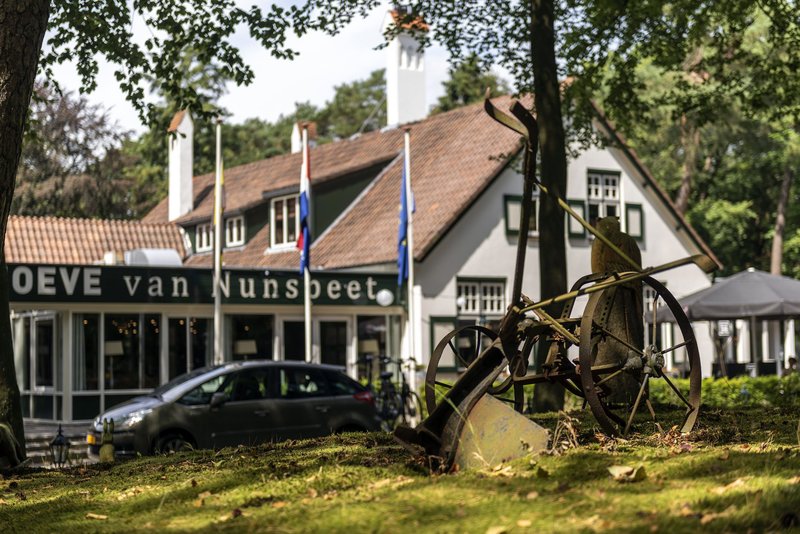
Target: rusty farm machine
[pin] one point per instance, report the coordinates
(473, 416)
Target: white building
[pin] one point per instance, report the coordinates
(88, 335)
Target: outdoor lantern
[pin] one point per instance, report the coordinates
(59, 448)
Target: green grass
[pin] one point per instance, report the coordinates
(738, 471)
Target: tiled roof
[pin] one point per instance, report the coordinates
(82, 241)
(454, 157)
(244, 184)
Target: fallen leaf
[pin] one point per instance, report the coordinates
(532, 495)
(204, 494)
(2, 502)
(312, 493)
(794, 480)
(279, 504)
(524, 523)
(624, 473)
(198, 503)
(708, 518)
(725, 455)
(735, 484)
(90, 515)
(497, 530)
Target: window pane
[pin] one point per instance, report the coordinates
(300, 383)
(151, 367)
(279, 226)
(177, 347)
(121, 346)
(45, 343)
(252, 337)
(85, 351)
(291, 222)
(513, 208)
(201, 339)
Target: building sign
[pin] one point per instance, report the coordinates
(118, 284)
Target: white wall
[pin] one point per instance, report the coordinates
(477, 246)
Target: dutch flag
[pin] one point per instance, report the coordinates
(304, 237)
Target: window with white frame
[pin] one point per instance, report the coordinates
(602, 192)
(204, 237)
(481, 297)
(234, 231)
(284, 221)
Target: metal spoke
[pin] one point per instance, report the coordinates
(443, 384)
(636, 404)
(609, 377)
(677, 391)
(675, 347)
(628, 345)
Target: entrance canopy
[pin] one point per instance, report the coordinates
(748, 294)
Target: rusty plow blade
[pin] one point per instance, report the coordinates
(470, 429)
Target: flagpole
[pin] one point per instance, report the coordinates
(218, 356)
(306, 270)
(410, 233)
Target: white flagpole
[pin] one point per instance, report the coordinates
(218, 356)
(306, 271)
(410, 240)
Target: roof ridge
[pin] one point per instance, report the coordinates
(87, 220)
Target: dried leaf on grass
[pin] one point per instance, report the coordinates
(497, 530)
(708, 518)
(91, 515)
(624, 473)
(739, 482)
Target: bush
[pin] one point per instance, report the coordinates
(739, 392)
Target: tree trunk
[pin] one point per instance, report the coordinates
(552, 246)
(690, 139)
(22, 28)
(776, 257)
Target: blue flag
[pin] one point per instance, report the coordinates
(402, 233)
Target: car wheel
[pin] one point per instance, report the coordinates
(172, 442)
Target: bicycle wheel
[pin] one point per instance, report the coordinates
(412, 407)
(389, 406)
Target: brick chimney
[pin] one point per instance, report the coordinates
(180, 134)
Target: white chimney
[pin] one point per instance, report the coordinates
(181, 131)
(405, 74)
(297, 136)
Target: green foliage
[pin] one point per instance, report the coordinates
(728, 228)
(71, 163)
(736, 393)
(467, 83)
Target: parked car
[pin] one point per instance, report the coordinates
(239, 403)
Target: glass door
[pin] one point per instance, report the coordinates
(332, 340)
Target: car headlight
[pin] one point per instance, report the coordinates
(131, 420)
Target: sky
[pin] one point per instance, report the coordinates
(323, 62)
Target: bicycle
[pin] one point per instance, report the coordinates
(393, 406)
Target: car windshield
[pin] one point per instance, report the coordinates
(178, 380)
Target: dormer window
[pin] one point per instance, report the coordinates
(284, 222)
(204, 237)
(234, 231)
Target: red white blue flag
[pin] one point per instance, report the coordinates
(304, 237)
